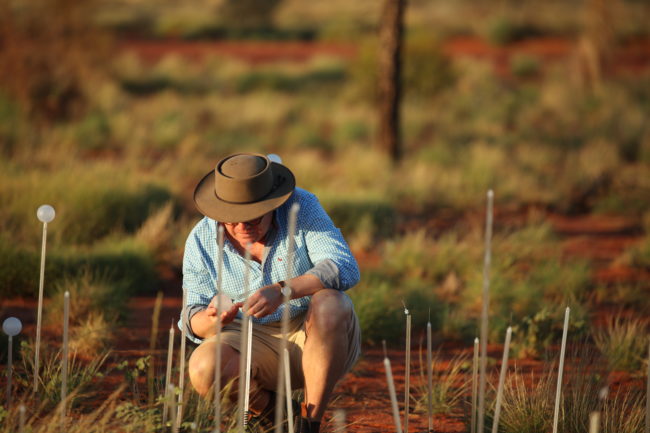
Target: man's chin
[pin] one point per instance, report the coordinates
(247, 240)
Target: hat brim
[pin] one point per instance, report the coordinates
(210, 205)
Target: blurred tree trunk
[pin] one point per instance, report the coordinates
(597, 44)
(390, 46)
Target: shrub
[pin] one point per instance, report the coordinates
(426, 69)
(525, 66)
(378, 303)
(80, 374)
(623, 342)
(527, 403)
(535, 334)
(449, 384)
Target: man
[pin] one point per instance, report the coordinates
(251, 196)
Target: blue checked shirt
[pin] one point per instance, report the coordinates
(319, 250)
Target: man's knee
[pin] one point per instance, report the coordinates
(202, 367)
(329, 311)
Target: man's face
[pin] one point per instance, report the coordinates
(250, 231)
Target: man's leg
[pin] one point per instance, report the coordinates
(326, 347)
(201, 371)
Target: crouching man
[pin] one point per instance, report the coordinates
(250, 196)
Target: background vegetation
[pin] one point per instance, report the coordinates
(116, 141)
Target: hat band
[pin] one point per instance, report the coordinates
(279, 180)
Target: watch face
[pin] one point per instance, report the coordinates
(286, 291)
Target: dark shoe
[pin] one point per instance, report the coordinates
(265, 421)
(304, 425)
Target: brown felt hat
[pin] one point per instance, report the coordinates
(243, 187)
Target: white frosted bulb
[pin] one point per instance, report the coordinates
(45, 213)
(274, 158)
(12, 326)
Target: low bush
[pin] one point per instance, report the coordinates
(527, 403)
(449, 384)
(536, 334)
(378, 303)
(623, 342)
(80, 374)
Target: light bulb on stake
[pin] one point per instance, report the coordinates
(45, 213)
(11, 326)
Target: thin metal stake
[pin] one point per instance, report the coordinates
(10, 368)
(39, 314)
(21, 418)
(391, 390)
(407, 373)
(474, 385)
(594, 422)
(168, 373)
(64, 358)
(242, 398)
(429, 379)
(217, 363)
(287, 381)
(647, 397)
(484, 311)
(286, 292)
(502, 378)
(558, 391)
(181, 372)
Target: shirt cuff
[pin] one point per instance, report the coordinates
(190, 311)
(327, 272)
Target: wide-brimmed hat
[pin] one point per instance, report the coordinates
(243, 187)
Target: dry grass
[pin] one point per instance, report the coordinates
(623, 341)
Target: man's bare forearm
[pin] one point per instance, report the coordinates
(304, 285)
(204, 324)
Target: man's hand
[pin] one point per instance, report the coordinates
(226, 316)
(264, 301)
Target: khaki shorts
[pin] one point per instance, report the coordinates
(267, 340)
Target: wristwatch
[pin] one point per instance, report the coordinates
(284, 288)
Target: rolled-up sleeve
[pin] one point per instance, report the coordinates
(333, 261)
(197, 281)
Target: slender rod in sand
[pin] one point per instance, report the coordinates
(244, 385)
(21, 418)
(429, 379)
(286, 292)
(10, 369)
(647, 396)
(181, 369)
(39, 314)
(64, 357)
(484, 311)
(407, 373)
(172, 403)
(168, 372)
(152, 347)
(474, 385)
(502, 378)
(558, 390)
(339, 421)
(391, 391)
(217, 362)
(287, 387)
(249, 357)
(594, 422)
